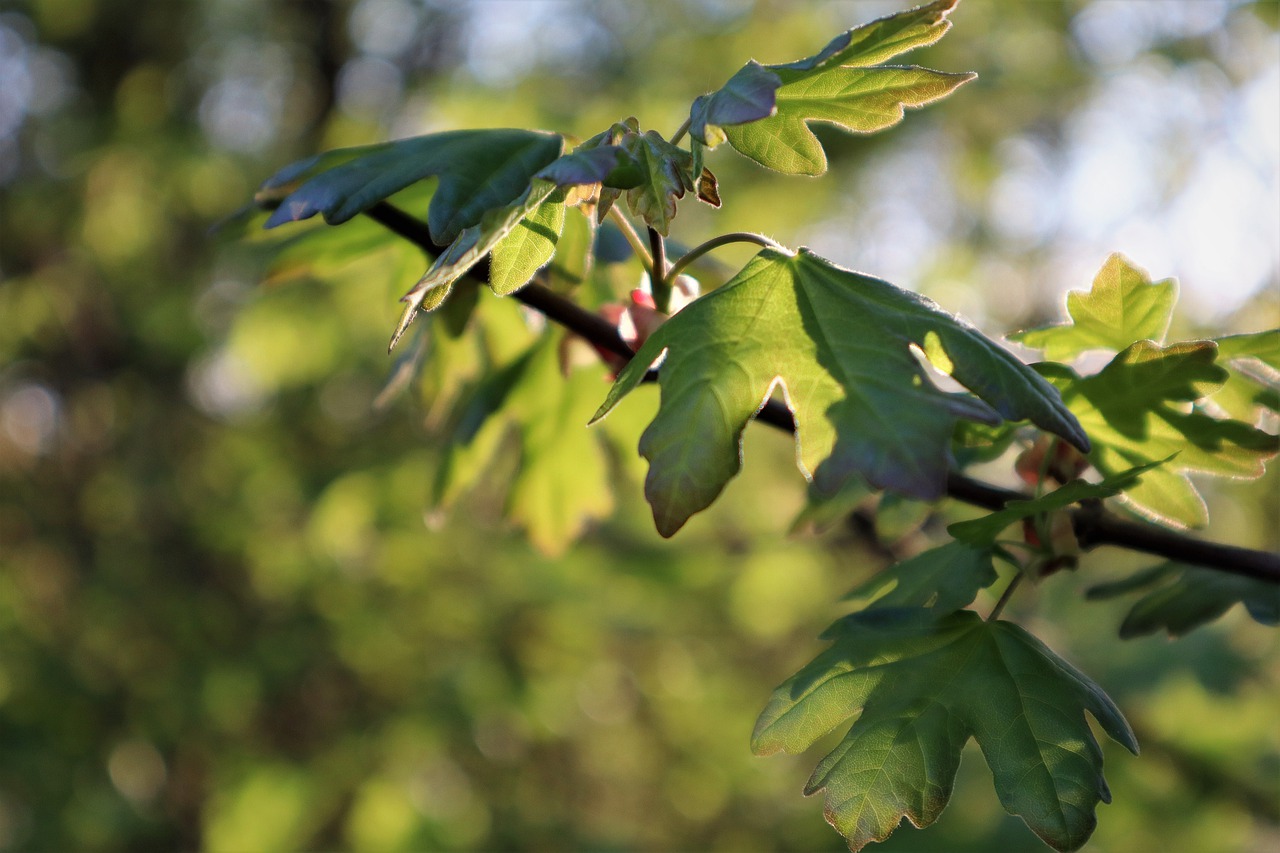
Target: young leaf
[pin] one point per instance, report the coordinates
(1180, 598)
(924, 686)
(478, 170)
(983, 531)
(668, 175)
(839, 343)
(946, 578)
(1134, 411)
(764, 111)
(859, 100)
(883, 38)
(465, 252)
(599, 195)
(1123, 306)
(529, 246)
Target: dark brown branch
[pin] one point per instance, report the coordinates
(1093, 524)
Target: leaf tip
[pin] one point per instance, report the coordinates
(410, 312)
(667, 525)
(604, 409)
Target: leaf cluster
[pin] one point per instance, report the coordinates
(882, 388)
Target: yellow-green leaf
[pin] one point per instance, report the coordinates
(1123, 306)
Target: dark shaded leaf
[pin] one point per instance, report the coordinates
(610, 165)
(946, 578)
(750, 94)
(1179, 598)
(479, 170)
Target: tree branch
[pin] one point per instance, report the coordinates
(1094, 525)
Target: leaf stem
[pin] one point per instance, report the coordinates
(637, 245)
(715, 243)
(680, 131)
(1005, 596)
(659, 281)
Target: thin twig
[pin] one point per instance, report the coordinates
(637, 245)
(680, 131)
(1094, 525)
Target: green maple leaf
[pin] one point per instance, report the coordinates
(923, 686)
(1253, 362)
(478, 170)
(945, 578)
(1262, 346)
(984, 531)
(840, 345)
(563, 480)
(1179, 598)
(529, 246)
(1134, 411)
(473, 243)
(667, 175)
(1123, 306)
(764, 110)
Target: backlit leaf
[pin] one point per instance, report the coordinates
(921, 686)
(465, 252)
(839, 343)
(883, 38)
(1253, 362)
(1123, 306)
(860, 100)
(1263, 346)
(759, 92)
(1134, 411)
(764, 110)
(529, 246)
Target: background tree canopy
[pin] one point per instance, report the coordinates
(244, 604)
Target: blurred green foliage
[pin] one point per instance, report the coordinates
(232, 616)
